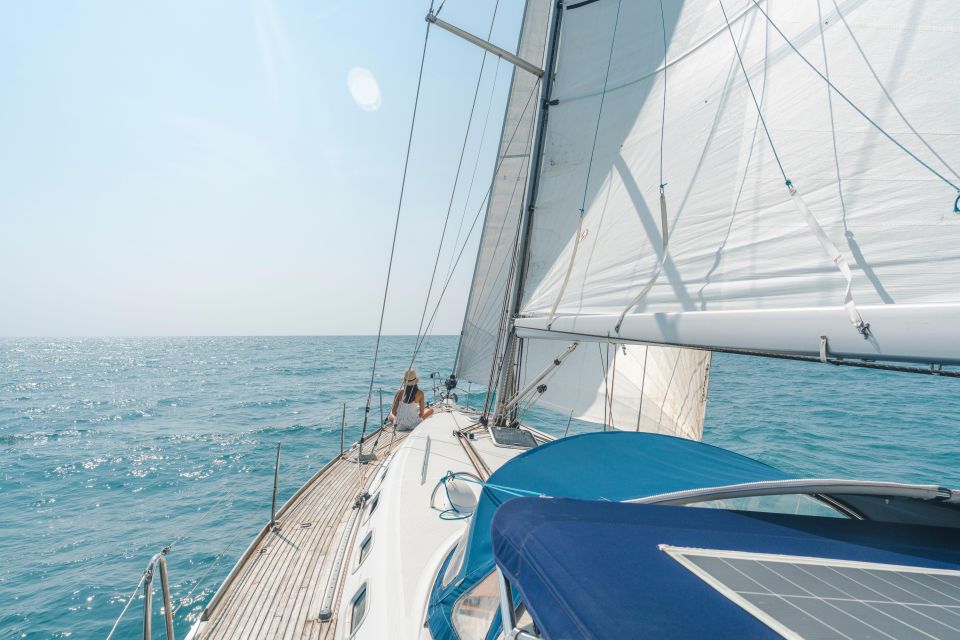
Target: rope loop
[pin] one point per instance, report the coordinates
(956, 203)
(452, 513)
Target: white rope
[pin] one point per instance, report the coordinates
(834, 254)
(566, 276)
(665, 235)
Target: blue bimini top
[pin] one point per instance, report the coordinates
(613, 465)
(594, 569)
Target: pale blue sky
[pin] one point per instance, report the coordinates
(201, 168)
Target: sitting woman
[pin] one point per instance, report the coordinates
(408, 410)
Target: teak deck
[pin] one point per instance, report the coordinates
(277, 589)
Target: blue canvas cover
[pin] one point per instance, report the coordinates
(613, 465)
(592, 569)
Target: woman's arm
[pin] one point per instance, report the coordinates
(420, 400)
(393, 410)
(424, 412)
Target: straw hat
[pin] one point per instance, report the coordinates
(410, 377)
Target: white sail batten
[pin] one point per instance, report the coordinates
(745, 270)
(625, 387)
(491, 276)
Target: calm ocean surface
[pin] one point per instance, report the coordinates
(112, 448)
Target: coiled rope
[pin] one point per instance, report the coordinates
(452, 513)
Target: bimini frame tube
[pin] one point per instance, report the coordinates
(826, 486)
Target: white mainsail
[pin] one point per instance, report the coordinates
(867, 230)
(491, 277)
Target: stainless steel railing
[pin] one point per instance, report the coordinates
(158, 561)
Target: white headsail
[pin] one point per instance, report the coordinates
(625, 387)
(723, 102)
(491, 277)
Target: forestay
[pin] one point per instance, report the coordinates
(752, 264)
(626, 387)
(485, 307)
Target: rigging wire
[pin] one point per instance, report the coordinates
(663, 113)
(496, 364)
(664, 221)
(829, 248)
(456, 181)
(851, 103)
(833, 124)
(476, 162)
(604, 367)
(473, 225)
(396, 226)
(886, 93)
(586, 184)
(643, 384)
(753, 95)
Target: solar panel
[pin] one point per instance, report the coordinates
(804, 597)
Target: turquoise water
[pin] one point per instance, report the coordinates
(113, 448)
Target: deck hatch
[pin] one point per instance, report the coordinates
(806, 597)
(512, 437)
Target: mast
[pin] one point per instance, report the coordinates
(481, 343)
(515, 292)
(483, 232)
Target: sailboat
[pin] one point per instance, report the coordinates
(673, 179)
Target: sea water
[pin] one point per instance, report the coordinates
(111, 449)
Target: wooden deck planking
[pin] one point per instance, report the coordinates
(249, 597)
(279, 588)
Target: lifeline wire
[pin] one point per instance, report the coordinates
(396, 226)
(127, 606)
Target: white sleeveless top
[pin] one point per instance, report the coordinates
(408, 415)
